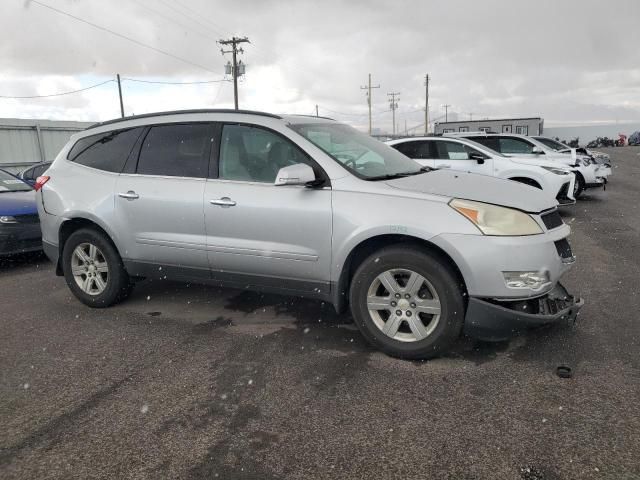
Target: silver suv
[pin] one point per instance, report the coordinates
(305, 206)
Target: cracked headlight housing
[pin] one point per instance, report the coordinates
(532, 280)
(495, 220)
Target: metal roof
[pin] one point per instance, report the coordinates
(490, 120)
(183, 112)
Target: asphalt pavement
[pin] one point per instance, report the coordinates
(186, 381)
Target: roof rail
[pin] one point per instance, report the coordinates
(310, 116)
(182, 112)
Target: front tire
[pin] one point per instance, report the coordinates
(94, 270)
(578, 187)
(407, 303)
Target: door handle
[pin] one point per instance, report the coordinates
(444, 166)
(130, 195)
(223, 202)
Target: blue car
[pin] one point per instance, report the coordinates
(19, 222)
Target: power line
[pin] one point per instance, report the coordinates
(174, 83)
(193, 19)
(57, 94)
(120, 35)
(188, 9)
(168, 18)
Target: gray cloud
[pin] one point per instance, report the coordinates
(570, 61)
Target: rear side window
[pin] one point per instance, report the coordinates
(105, 151)
(415, 149)
(177, 150)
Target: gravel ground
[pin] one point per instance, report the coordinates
(196, 382)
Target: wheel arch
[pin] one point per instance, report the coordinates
(72, 225)
(372, 244)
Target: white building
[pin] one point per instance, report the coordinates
(522, 126)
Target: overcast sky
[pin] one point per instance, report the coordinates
(571, 62)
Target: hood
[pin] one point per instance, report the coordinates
(481, 188)
(18, 203)
(537, 161)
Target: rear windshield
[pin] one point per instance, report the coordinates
(9, 183)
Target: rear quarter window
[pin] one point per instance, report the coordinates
(105, 151)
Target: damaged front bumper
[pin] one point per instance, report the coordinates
(488, 319)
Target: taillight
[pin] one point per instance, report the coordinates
(40, 181)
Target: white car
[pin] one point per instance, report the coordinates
(588, 174)
(600, 158)
(469, 156)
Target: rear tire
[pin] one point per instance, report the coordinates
(94, 270)
(579, 186)
(407, 303)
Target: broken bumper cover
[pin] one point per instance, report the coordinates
(497, 320)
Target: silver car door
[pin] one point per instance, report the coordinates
(259, 233)
(159, 205)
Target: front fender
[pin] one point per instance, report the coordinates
(354, 222)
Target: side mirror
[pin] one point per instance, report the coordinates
(537, 150)
(298, 174)
(478, 157)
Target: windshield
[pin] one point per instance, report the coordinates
(552, 144)
(9, 183)
(361, 154)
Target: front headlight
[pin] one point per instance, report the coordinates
(557, 171)
(586, 162)
(494, 220)
(7, 219)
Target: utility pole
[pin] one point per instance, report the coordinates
(393, 104)
(368, 88)
(236, 69)
(120, 95)
(426, 105)
(470, 116)
(317, 110)
(446, 112)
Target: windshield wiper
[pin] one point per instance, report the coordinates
(391, 176)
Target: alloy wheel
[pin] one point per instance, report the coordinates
(403, 305)
(89, 269)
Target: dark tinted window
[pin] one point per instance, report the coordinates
(415, 149)
(509, 145)
(490, 142)
(105, 151)
(253, 154)
(177, 150)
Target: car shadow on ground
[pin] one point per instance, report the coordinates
(314, 322)
(23, 260)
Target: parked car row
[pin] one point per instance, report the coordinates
(308, 206)
(539, 162)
